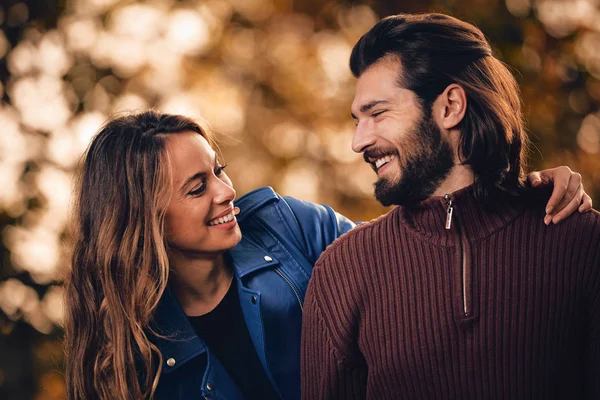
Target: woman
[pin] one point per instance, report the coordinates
(163, 283)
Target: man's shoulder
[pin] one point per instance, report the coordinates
(591, 217)
(358, 242)
(535, 204)
(578, 232)
(574, 221)
(587, 222)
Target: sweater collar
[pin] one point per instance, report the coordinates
(470, 217)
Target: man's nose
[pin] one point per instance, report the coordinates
(363, 137)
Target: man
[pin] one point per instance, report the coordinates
(461, 292)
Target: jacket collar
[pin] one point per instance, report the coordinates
(253, 200)
(248, 257)
(176, 337)
(471, 218)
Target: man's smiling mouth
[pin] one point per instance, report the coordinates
(380, 162)
(378, 159)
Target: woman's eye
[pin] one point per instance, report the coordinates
(220, 169)
(198, 191)
(202, 188)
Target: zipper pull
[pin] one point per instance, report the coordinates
(449, 211)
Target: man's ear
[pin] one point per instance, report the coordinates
(450, 106)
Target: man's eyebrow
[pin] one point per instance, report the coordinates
(366, 107)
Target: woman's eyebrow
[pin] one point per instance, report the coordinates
(198, 175)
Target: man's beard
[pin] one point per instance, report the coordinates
(426, 161)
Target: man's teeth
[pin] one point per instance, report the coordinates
(222, 220)
(383, 160)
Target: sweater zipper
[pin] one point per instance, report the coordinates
(464, 271)
(292, 286)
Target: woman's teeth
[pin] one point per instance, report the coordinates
(218, 221)
(383, 160)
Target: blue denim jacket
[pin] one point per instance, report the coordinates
(282, 238)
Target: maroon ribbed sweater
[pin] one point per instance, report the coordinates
(499, 306)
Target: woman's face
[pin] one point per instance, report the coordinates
(199, 221)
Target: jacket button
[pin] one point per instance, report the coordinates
(209, 386)
(268, 259)
(253, 299)
(171, 362)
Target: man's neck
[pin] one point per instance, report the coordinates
(199, 283)
(459, 177)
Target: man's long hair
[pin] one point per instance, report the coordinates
(119, 265)
(436, 50)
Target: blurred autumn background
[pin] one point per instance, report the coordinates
(271, 77)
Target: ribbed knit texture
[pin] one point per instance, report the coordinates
(384, 316)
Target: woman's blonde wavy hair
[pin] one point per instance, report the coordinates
(119, 267)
